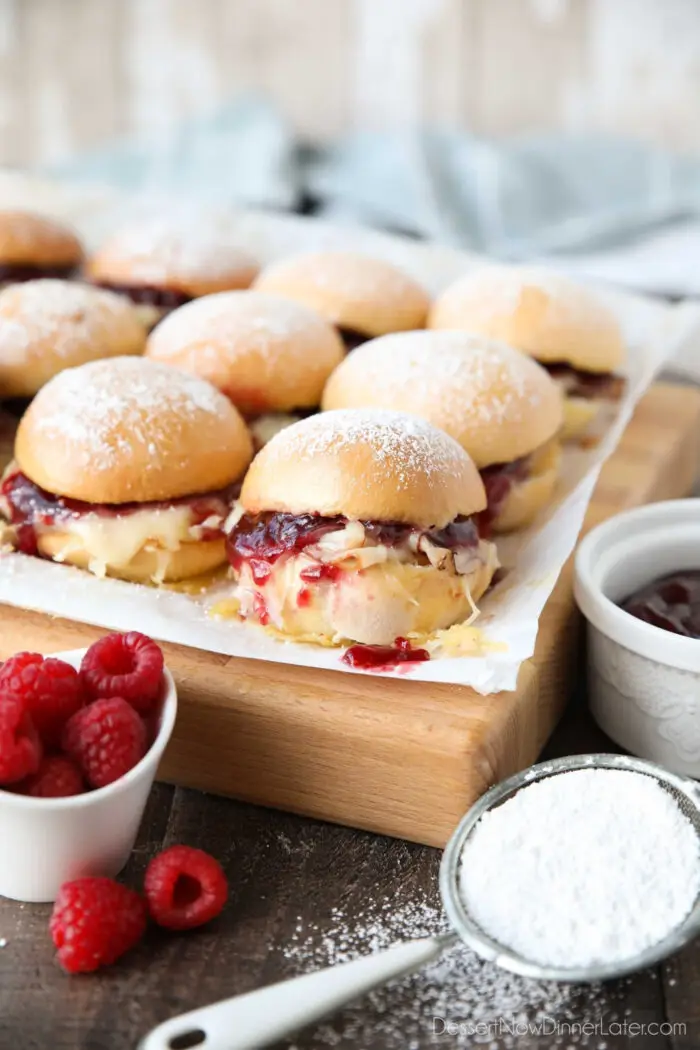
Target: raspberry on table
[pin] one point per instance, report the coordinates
(50, 688)
(20, 746)
(56, 777)
(94, 921)
(106, 739)
(184, 887)
(127, 665)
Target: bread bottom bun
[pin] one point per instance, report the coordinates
(374, 605)
(579, 414)
(148, 565)
(528, 497)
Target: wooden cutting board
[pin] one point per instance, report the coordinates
(398, 757)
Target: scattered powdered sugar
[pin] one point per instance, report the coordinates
(69, 314)
(94, 405)
(197, 246)
(586, 867)
(467, 379)
(233, 322)
(391, 437)
(458, 1001)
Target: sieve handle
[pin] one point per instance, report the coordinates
(257, 1019)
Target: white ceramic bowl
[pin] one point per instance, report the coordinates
(644, 682)
(46, 842)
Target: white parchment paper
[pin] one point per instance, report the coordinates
(509, 614)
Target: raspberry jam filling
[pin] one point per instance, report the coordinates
(498, 481)
(30, 509)
(589, 385)
(258, 540)
(383, 657)
(15, 273)
(671, 603)
(352, 338)
(148, 294)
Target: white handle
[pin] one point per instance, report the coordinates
(256, 1019)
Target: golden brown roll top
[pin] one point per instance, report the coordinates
(265, 352)
(49, 325)
(196, 256)
(130, 429)
(355, 292)
(544, 314)
(31, 240)
(497, 403)
(365, 464)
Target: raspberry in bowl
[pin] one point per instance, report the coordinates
(81, 736)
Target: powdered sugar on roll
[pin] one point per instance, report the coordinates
(497, 403)
(163, 252)
(352, 290)
(389, 437)
(267, 353)
(535, 310)
(87, 405)
(365, 465)
(131, 429)
(71, 316)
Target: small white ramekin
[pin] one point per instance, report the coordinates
(46, 842)
(644, 682)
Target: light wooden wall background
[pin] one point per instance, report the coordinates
(76, 73)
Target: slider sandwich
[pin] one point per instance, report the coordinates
(126, 468)
(562, 325)
(33, 246)
(362, 296)
(360, 526)
(501, 406)
(269, 355)
(161, 264)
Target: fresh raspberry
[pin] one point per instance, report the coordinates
(184, 887)
(51, 689)
(20, 746)
(128, 665)
(106, 739)
(94, 921)
(56, 777)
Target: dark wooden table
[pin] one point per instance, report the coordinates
(286, 873)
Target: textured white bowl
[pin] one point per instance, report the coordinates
(644, 682)
(46, 842)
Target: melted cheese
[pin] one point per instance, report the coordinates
(115, 541)
(373, 604)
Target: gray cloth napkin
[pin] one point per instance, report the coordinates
(551, 197)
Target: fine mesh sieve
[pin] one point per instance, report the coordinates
(258, 1019)
(685, 793)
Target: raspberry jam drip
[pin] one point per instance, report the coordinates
(671, 603)
(352, 338)
(260, 539)
(29, 507)
(148, 294)
(498, 481)
(319, 571)
(383, 657)
(590, 385)
(15, 273)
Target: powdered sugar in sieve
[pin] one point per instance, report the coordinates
(634, 808)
